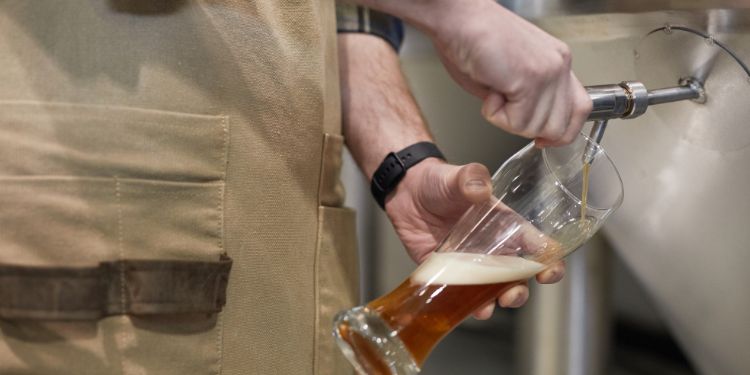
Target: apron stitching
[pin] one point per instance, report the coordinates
(121, 250)
(220, 220)
(121, 256)
(225, 149)
(316, 261)
(219, 342)
(220, 208)
(220, 326)
(316, 293)
(221, 188)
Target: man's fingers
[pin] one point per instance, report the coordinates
(527, 116)
(518, 295)
(522, 116)
(493, 110)
(581, 108)
(554, 117)
(492, 103)
(560, 112)
(552, 274)
(515, 296)
(485, 312)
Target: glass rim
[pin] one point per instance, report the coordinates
(577, 199)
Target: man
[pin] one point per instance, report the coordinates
(145, 142)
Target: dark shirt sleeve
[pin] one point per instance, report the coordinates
(356, 19)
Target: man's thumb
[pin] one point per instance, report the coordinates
(474, 183)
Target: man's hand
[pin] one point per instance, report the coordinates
(431, 198)
(521, 73)
(380, 116)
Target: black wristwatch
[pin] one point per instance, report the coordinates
(394, 166)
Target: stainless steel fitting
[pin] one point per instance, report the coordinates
(630, 99)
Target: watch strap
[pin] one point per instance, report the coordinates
(393, 168)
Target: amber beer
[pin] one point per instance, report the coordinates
(440, 294)
(448, 287)
(585, 189)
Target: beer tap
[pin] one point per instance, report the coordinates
(630, 99)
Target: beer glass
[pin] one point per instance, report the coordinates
(534, 218)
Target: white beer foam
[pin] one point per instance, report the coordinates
(471, 269)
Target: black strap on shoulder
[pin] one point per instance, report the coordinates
(393, 169)
(133, 287)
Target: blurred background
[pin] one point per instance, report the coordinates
(662, 289)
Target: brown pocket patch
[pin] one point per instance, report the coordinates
(136, 287)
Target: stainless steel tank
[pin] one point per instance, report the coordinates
(684, 227)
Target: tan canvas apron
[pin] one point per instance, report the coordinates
(148, 131)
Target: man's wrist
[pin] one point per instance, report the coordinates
(395, 166)
(411, 184)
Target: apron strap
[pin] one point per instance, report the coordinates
(133, 287)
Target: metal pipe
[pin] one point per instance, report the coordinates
(631, 99)
(689, 89)
(596, 134)
(597, 131)
(671, 94)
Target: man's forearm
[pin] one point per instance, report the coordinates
(379, 112)
(522, 74)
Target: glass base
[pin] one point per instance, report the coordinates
(370, 345)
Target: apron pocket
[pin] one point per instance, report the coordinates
(119, 210)
(63, 139)
(85, 184)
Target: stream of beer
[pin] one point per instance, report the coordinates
(585, 192)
